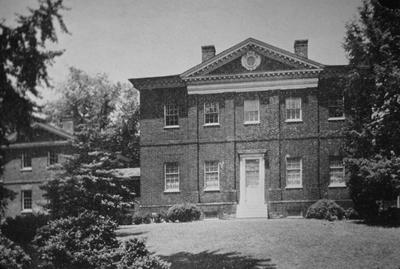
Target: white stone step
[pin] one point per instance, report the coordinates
(248, 211)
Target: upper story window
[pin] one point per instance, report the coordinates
(171, 174)
(52, 157)
(26, 200)
(336, 172)
(211, 114)
(171, 115)
(336, 108)
(26, 161)
(211, 175)
(293, 172)
(293, 109)
(251, 111)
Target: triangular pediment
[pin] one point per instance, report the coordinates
(251, 57)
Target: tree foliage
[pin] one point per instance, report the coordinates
(23, 64)
(88, 183)
(373, 103)
(106, 110)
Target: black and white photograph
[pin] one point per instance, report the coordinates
(227, 134)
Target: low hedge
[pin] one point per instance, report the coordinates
(325, 209)
(184, 212)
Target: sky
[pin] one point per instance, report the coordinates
(142, 38)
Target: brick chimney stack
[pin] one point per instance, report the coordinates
(301, 47)
(207, 52)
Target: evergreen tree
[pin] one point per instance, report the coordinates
(373, 106)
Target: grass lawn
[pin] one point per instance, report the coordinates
(261, 243)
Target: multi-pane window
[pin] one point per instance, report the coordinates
(211, 113)
(171, 171)
(252, 171)
(293, 109)
(336, 172)
(251, 111)
(211, 175)
(171, 115)
(52, 157)
(336, 108)
(293, 172)
(26, 160)
(26, 200)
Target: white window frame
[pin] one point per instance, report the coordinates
(293, 186)
(343, 117)
(216, 188)
(49, 157)
(165, 116)
(336, 184)
(23, 201)
(245, 111)
(205, 113)
(166, 189)
(23, 167)
(292, 99)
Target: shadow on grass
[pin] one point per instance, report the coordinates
(126, 234)
(378, 223)
(213, 259)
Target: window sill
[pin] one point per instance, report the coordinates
(171, 127)
(211, 125)
(26, 211)
(337, 186)
(294, 121)
(293, 187)
(337, 119)
(211, 190)
(251, 122)
(26, 169)
(172, 191)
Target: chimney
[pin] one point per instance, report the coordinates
(301, 47)
(67, 124)
(207, 52)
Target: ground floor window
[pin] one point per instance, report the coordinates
(52, 157)
(293, 172)
(211, 175)
(171, 172)
(26, 200)
(336, 172)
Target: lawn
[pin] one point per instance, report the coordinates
(261, 243)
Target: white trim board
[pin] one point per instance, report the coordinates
(255, 86)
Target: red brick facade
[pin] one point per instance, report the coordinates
(314, 139)
(45, 139)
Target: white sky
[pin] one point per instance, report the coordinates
(141, 38)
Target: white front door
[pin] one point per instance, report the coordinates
(252, 180)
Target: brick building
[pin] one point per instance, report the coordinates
(253, 131)
(27, 162)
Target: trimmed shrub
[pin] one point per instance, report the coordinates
(141, 217)
(160, 217)
(22, 229)
(76, 242)
(12, 255)
(325, 209)
(390, 216)
(125, 219)
(134, 254)
(351, 213)
(184, 212)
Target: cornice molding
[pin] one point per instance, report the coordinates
(254, 86)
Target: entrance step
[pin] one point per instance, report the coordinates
(250, 211)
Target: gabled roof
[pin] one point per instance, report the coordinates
(233, 52)
(47, 127)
